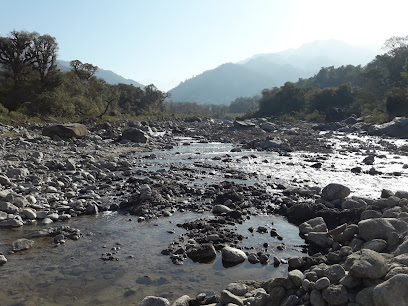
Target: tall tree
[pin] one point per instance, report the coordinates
(16, 54)
(84, 71)
(44, 50)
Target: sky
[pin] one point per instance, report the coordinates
(165, 42)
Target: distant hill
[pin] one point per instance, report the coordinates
(109, 76)
(248, 77)
(221, 85)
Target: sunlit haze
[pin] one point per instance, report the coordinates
(165, 42)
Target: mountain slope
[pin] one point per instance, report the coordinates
(109, 76)
(221, 85)
(248, 77)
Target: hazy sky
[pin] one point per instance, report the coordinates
(165, 42)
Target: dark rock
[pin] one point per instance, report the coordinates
(72, 130)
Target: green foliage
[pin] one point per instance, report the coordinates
(244, 104)
(279, 101)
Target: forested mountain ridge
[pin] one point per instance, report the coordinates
(248, 77)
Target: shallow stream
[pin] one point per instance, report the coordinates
(75, 274)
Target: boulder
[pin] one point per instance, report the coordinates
(7, 207)
(22, 244)
(233, 255)
(71, 130)
(297, 277)
(381, 228)
(201, 253)
(3, 260)
(227, 297)
(313, 225)
(319, 239)
(154, 301)
(398, 127)
(11, 223)
(243, 124)
(335, 191)
(392, 292)
(335, 295)
(182, 301)
(135, 135)
(366, 264)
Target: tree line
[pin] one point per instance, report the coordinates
(378, 91)
(32, 85)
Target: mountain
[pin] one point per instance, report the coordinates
(248, 77)
(220, 85)
(109, 76)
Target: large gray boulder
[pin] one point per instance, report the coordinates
(233, 255)
(381, 228)
(201, 253)
(398, 127)
(392, 292)
(313, 225)
(135, 135)
(335, 191)
(71, 130)
(366, 264)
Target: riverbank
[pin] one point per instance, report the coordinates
(283, 170)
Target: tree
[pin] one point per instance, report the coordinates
(83, 71)
(16, 54)
(153, 99)
(44, 50)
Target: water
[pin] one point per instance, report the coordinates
(75, 274)
(269, 167)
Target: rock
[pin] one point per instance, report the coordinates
(349, 204)
(18, 173)
(237, 288)
(3, 260)
(365, 296)
(291, 300)
(381, 228)
(4, 180)
(377, 245)
(29, 213)
(350, 281)
(8, 207)
(335, 191)
(11, 223)
(233, 255)
(135, 135)
(16, 199)
(334, 273)
(392, 292)
(316, 298)
(313, 225)
(72, 130)
(22, 244)
(366, 264)
(243, 124)
(92, 209)
(335, 295)
(398, 127)
(219, 209)
(268, 126)
(297, 277)
(154, 301)
(385, 193)
(201, 253)
(322, 283)
(370, 214)
(319, 239)
(258, 297)
(182, 301)
(227, 297)
(402, 249)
